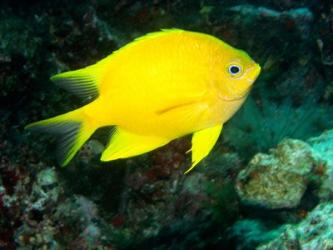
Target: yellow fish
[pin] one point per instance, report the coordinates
(160, 87)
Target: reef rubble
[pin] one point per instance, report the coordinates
(279, 179)
(292, 185)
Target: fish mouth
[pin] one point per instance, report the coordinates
(238, 98)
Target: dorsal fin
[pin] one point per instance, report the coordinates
(147, 36)
(85, 82)
(82, 82)
(162, 32)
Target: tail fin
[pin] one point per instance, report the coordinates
(74, 129)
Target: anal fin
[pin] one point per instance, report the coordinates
(202, 143)
(124, 144)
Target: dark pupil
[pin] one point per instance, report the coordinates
(234, 69)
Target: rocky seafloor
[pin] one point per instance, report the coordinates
(268, 184)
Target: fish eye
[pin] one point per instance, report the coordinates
(234, 70)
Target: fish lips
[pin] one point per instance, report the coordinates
(239, 97)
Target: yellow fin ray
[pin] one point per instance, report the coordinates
(124, 144)
(202, 143)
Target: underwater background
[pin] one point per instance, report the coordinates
(268, 184)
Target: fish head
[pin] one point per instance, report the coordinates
(237, 75)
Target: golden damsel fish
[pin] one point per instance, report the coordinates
(160, 87)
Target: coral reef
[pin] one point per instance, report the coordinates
(251, 233)
(314, 232)
(323, 150)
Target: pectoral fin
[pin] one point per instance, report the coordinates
(202, 143)
(124, 144)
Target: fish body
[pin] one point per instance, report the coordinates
(157, 88)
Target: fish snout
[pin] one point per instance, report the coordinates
(255, 71)
(252, 75)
